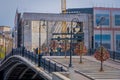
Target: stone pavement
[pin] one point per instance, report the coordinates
(90, 68)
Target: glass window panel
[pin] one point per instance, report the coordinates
(117, 37)
(117, 20)
(118, 42)
(105, 41)
(104, 37)
(105, 22)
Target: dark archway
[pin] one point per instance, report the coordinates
(16, 68)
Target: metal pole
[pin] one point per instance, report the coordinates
(47, 38)
(71, 48)
(39, 36)
(101, 68)
(23, 43)
(70, 64)
(39, 43)
(65, 48)
(101, 20)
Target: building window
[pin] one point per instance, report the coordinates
(118, 42)
(117, 20)
(106, 38)
(105, 22)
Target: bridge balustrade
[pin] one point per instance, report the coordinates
(115, 55)
(33, 57)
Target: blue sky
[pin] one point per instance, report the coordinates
(8, 7)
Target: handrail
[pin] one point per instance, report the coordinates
(32, 57)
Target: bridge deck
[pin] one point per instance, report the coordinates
(90, 67)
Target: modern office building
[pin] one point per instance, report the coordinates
(110, 30)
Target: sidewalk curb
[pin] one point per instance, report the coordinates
(84, 75)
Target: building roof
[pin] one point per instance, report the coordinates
(88, 10)
(80, 10)
(52, 16)
(5, 26)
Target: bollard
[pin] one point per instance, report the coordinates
(49, 66)
(113, 55)
(32, 57)
(44, 63)
(12, 51)
(36, 58)
(61, 68)
(55, 67)
(39, 60)
(28, 54)
(23, 51)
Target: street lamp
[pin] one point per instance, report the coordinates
(71, 35)
(47, 38)
(100, 24)
(46, 29)
(39, 50)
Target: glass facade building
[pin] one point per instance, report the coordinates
(110, 26)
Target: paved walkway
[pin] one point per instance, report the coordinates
(90, 67)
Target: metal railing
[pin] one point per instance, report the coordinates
(113, 54)
(46, 64)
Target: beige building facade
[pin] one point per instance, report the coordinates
(31, 22)
(5, 38)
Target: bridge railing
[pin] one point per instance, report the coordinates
(113, 54)
(36, 58)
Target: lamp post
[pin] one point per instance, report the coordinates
(23, 42)
(71, 35)
(39, 43)
(46, 29)
(39, 37)
(12, 42)
(100, 24)
(39, 50)
(47, 38)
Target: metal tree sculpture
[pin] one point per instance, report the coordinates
(65, 46)
(53, 45)
(80, 50)
(101, 57)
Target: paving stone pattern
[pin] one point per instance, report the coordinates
(91, 68)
